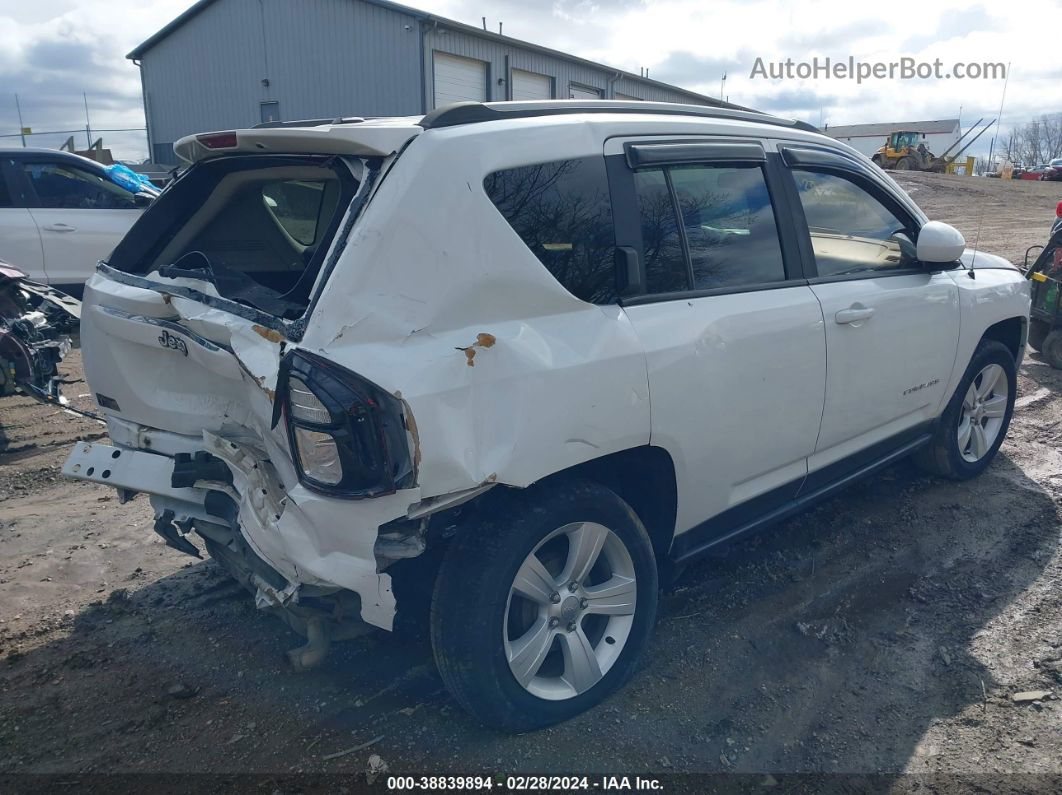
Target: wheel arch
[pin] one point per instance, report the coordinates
(644, 477)
(1011, 332)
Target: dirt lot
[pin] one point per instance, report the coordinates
(883, 632)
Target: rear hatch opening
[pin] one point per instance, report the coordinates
(253, 230)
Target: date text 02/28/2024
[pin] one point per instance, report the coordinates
(523, 783)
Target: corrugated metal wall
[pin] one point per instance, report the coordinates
(325, 58)
(322, 58)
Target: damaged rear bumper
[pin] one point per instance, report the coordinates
(312, 545)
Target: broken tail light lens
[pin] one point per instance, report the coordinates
(348, 436)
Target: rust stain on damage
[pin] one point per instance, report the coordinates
(483, 340)
(267, 333)
(411, 428)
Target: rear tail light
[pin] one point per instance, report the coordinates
(218, 140)
(304, 403)
(348, 436)
(1058, 210)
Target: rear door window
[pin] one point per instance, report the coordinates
(61, 186)
(663, 255)
(707, 227)
(563, 213)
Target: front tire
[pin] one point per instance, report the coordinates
(544, 604)
(974, 424)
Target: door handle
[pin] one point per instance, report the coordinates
(854, 314)
(59, 228)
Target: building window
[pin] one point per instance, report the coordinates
(270, 111)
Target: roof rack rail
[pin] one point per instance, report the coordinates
(475, 112)
(309, 122)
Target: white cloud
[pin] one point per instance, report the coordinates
(53, 50)
(691, 43)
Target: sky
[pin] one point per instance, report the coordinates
(56, 53)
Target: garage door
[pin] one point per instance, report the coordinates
(459, 79)
(528, 85)
(582, 92)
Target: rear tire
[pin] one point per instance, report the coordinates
(975, 422)
(1052, 349)
(515, 645)
(1038, 331)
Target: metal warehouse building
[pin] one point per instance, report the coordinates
(227, 64)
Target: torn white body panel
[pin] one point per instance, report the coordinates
(508, 375)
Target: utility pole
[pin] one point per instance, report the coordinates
(722, 85)
(88, 127)
(999, 118)
(21, 127)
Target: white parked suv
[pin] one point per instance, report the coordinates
(516, 362)
(60, 213)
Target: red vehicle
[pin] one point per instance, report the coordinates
(1053, 171)
(1036, 172)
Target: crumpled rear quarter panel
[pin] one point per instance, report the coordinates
(436, 299)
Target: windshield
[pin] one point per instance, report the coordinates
(257, 228)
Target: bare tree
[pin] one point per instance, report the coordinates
(1034, 142)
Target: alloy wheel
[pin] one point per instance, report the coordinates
(570, 611)
(984, 408)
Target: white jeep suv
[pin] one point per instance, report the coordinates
(516, 361)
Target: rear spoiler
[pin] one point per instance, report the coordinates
(332, 138)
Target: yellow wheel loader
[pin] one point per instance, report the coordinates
(905, 151)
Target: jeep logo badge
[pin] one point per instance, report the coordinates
(167, 340)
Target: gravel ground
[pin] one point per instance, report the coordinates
(884, 632)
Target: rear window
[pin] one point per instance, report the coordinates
(562, 212)
(257, 228)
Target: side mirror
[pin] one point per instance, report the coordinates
(940, 244)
